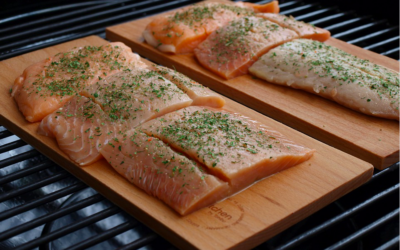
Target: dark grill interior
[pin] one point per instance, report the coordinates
(44, 207)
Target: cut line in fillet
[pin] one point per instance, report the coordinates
(183, 30)
(155, 168)
(201, 95)
(232, 49)
(232, 147)
(46, 86)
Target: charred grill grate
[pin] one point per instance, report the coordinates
(44, 207)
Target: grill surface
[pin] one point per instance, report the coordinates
(44, 207)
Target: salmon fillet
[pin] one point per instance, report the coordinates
(232, 147)
(232, 49)
(181, 31)
(135, 96)
(304, 30)
(201, 95)
(81, 128)
(47, 85)
(338, 76)
(333, 53)
(152, 166)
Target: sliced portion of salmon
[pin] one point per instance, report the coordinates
(314, 67)
(333, 53)
(135, 96)
(181, 31)
(152, 166)
(201, 95)
(81, 128)
(232, 147)
(232, 49)
(47, 85)
(304, 30)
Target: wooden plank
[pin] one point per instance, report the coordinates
(372, 139)
(241, 221)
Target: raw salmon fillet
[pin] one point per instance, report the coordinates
(181, 31)
(47, 85)
(135, 96)
(201, 95)
(304, 30)
(232, 49)
(333, 74)
(155, 168)
(232, 147)
(81, 128)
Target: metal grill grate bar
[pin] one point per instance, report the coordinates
(363, 231)
(104, 235)
(143, 241)
(18, 158)
(53, 19)
(25, 172)
(392, 51)
(314, 13)
(81, 25)
(43, 200)
(5, 133)
(297, 9)
(33, 186)
(335, 220)
(12, 145)
(287, 4)
(329, 18)
(357, 29)
(373, 35)
(345, 23)
(70, 228)
(392, 244)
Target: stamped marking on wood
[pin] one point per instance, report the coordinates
(219, 216)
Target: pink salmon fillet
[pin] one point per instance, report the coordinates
(81, 128)
(232, 49)
(181, 31)
(155, 168)
(47, 85)
(201, 95)
(232, 147)
(304, 30)
(135, 96)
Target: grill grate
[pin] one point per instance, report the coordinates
(44, 207)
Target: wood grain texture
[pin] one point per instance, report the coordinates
(374, 140)
(239, 222)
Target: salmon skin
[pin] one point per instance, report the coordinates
(181, 31)
(304, 30)
(137, 95)
(232, 49)
(155, 168)
(232, 147)
(333, 74)
(81, 128)
(47, 85)
(201, 95)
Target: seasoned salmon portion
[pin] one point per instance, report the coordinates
(232, 49)
(333, 53)
(314, 67)
(47, 85)
(304, 30)
(81, 128)
(155, 168)
(231, 146)
(181, 31)
(135, 96)
(201, 95)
